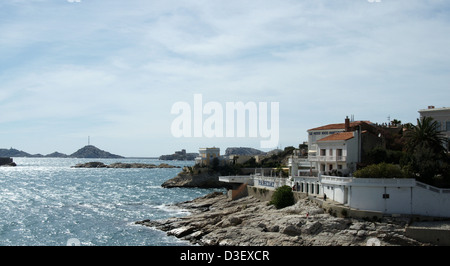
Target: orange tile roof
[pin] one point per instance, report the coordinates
(338, 136)
(340, 125)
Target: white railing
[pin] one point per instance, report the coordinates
(402, 182)
(237, 179)
(398, 182)
(271, 182)
(327, 158)
(334, 179)
(431, 188)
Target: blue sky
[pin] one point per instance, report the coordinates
(113, 69)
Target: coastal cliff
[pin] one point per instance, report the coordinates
(199, 179)
(217, 220)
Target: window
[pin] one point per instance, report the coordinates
(438, 125)
(322, 152)
(338, 152)
(447, 125)
(331, 152)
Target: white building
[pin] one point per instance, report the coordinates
(339, 152)
(441, 116)
(383, 195)
(387, 195)
(206, 155)
(315, 134)
(338, 148)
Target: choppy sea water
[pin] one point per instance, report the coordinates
(45, 202)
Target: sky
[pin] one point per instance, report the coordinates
(112, 70)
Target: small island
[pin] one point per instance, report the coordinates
(122, 165)
(6, 161)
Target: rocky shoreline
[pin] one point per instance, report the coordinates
(215, 220)
(199, 180)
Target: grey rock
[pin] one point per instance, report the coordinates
(291, 230)
(216, 220)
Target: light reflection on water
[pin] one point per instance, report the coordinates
(43, 201)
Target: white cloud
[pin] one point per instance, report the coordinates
(117, 68)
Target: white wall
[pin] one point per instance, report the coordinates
(406, 196)
(366, 198)
(352, 151)
(402, 200)
(334, 192)
(430, 203)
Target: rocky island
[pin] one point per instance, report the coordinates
(90, 151)
(216, 220)
(6, 161)
(122, 165)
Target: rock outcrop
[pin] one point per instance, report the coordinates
(205, 179)
(216, 220)
(243, 151)
(6, 161)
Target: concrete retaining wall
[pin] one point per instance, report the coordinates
(330, 207)
(439, 237)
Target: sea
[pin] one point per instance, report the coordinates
(46, 202)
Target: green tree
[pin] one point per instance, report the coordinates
(425, 134)
(283, 197)
(396, 122)
(215, 164)
(425, 147)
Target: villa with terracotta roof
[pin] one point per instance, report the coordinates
(340, 147)
(334, 152)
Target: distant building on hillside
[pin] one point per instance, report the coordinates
(441, 116)
(180, 156)
(206, 155)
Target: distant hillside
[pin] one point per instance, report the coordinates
(91, 151)
(57, 155)
(243, 151)
(16, 153)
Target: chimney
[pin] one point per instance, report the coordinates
(431, 107)
(347, 124)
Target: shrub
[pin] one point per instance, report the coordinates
(381, 170)
(283, 197)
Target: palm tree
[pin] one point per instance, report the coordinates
(396, 122)
(425, 149)
(425, 134)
